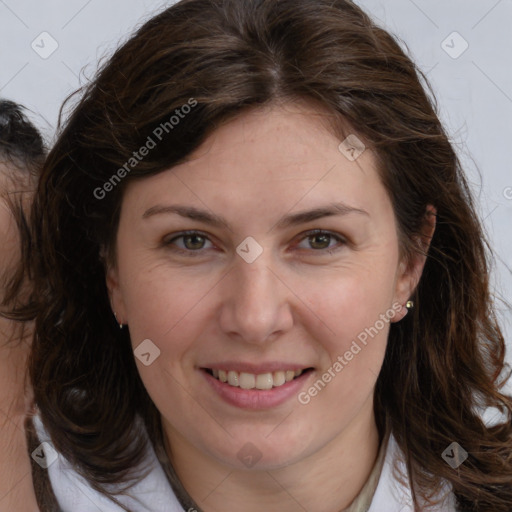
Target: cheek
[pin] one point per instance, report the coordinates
(357, 312)
(165, 307)
(171, 304)
(351, 302)
(164, 304)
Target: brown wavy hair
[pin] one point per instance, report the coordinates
(444, 362)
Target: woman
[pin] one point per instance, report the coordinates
(263, 282)
(21, 155)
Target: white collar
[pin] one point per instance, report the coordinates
(391, 496)
(74, 494)
(154, 493)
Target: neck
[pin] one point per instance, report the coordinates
(326, 481)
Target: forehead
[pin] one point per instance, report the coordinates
(291, 134)
(288, 150)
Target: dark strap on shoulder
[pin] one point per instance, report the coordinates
(45, 496)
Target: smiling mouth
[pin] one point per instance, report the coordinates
(262, 381)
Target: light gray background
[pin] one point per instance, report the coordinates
(474, 90)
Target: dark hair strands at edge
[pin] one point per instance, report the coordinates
(22, 153)
(442, 362)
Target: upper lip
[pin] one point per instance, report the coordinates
(256, 369)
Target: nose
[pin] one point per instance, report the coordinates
(256, 303)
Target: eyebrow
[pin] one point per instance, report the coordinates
(293, 219)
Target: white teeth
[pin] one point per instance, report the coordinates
(247, 380)
(233, 378)
(264, 381)
(279, 378)
(251, 381)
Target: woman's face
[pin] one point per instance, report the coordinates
(254, 292)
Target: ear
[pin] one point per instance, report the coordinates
(409, 271)
(114, 290)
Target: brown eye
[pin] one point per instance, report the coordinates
(193, 242)
(319, 240)
(187, 242)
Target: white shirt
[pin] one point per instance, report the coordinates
(154, 493)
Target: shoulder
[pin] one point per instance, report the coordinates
(392, 496)
(74, 494)
(154, 494)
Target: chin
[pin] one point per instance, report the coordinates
(261, 451)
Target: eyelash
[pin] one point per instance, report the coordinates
(198, 252)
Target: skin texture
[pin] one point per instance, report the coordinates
(16, 490)
(296, 303)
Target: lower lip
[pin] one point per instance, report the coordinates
(257, 399)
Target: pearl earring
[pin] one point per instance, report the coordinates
(120, 324)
